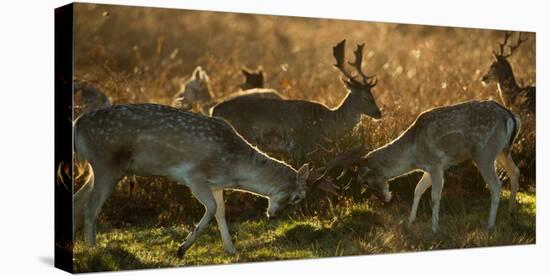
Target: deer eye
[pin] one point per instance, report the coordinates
(295, 198)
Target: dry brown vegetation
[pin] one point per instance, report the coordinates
(144, 54)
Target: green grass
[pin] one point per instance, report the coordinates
(367, 228)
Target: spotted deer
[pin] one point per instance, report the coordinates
(88, 97)
(277, 125)
(482, 131)
(205, 154)
(197, 95)
(500, 72)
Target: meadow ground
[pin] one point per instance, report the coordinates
(356, 230)
(143, 55)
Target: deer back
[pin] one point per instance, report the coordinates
(146, 139)
(452, 134)
(264, 120)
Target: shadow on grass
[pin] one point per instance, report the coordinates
(304, 234)
(112, 258)
(359, 222)
(356, 224)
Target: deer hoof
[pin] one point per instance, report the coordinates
(181, 251)
(231, 251)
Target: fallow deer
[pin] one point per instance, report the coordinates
(197, 95)
(202, 153)
(277, 125)
(88, 97)
(252, 79)
(195, 92)
(482, 131)
(512, 95)
(253, 86)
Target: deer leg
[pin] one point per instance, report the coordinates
(81, 198)
(100, 191)
(437, 187)
(424, 183)
(222, 224)
(505, 160)
(488, 172)
(201, 191)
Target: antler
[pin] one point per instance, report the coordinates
(344, 160)
(357, 64)
(348, 158)
(513, 48)
(503, 44)
(322, 181)
(338, 52)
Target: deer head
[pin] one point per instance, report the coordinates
(290, 195)
(359, 85)
(197, 88)
(354, 161)
(88, 97)
(252, 79)
(500, 68)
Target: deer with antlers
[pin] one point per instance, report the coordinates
(482, 131)
(196, 94)
(512, 95)
(203, 153)
(276, 125)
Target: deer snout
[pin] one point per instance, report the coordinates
(377, 114)
(485, 79)
(272, 214)
(388, 197)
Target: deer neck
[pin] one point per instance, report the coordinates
(263, 175)
(394, 159)
(347, 114)
(508, 88)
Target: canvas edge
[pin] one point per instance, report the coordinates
(64, 33)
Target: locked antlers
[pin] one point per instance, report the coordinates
(343, 160)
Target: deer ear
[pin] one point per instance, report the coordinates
(347, 84)
(245, 72)
(197, 73)
(303, 174)
(203, 76)
(362, 171)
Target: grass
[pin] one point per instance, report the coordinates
(365, 228)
